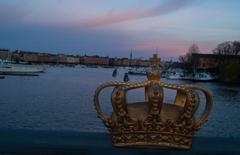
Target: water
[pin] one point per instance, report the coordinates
(61, 99)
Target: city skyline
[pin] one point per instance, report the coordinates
(113, 28)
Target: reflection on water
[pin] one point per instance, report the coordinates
(61, 99)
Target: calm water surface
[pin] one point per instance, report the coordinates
(61, 99)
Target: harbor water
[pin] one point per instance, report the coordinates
(62, 99)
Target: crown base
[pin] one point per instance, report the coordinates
(152, 140)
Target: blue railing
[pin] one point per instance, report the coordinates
(67, 142)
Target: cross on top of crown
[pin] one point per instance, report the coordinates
(154, 60)
(154, 73)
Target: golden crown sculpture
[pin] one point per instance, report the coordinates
(153, 123)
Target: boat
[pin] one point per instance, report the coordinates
(126, 78)
(204, 76)
(174, 74)
(20, 69)
(114, 74)
(197, 76)
(2, 77)
(137, 71)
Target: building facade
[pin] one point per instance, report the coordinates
(211, 61)
(95, 60)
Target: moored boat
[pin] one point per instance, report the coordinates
(114, 74)
(137, 71)
(204, 76)
(19, 69)
(175, 76)
(126, 78)
(178, 74)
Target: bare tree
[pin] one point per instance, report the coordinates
(228, 68)
(228, 48)
(188, 56)
(193, 49)
(236, 47)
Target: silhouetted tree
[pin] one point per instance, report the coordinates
(228, 69)
(188, 56)
(228, 48)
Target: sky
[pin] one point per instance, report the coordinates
(114, 28)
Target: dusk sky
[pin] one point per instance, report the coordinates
(114, 27)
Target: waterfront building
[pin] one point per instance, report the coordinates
(119, 62)
(81, 59)
(72, 60)
(211, 61)
(47, 58)
(28, 56)
(95, 60)
(61, 58)
(67, 59)
(144, 63)
(125, 61)
(226, 67)
(35, 57)
(5, 54)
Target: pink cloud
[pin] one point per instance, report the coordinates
(113, 18)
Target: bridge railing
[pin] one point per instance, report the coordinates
(26, 141)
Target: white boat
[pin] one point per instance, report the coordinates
(175, 76)
(137, 71)
(178, 74)
(204, 76)
(19, 69)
